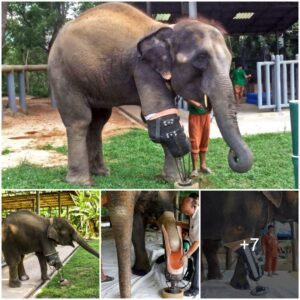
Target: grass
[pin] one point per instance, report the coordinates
(6, 151)
(136, 162)
(82, 270)
(61, 149)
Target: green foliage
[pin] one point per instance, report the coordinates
(61, 149)
(136, 162)
(85, 215)
(6, 151)
(82, 270)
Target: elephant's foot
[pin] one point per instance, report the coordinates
(45, 277)
(99, 170)
(170, 177)
(77, 179)
(139, 272)
(240, 284)
(24, 277)
(215, 275)
(14, 283)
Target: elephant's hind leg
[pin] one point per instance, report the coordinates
(94, 141)
(77, 122)
(21, 270)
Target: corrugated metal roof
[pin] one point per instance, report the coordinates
(268, 16)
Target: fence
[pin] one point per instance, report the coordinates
(277, 82)
(11, 90)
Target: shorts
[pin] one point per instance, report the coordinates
(199, 129)
(239, 90)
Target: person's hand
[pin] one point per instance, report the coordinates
(195, 103)
(184, 260)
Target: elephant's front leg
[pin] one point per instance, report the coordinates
(141, 266)
(170, 172)
(94, 142)
(43, 266)
(210, 249)
(21, 270)
(239, 279)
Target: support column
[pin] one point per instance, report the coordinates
(193, 9)
(22, 92)
(149, 9)
(11, 92)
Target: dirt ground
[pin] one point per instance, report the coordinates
(25, 135)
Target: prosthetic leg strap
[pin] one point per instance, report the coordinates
(253, 261)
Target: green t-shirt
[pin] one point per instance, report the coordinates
(197, 111)
(239, 77)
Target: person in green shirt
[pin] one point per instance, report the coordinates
(239, 78)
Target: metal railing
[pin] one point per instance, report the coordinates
(277, 82)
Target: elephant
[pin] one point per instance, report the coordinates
(129, 211)
(25, 232)
(228, 216)
(112, 55)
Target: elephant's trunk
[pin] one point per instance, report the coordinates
(168, 220)
(240, 158)
(85, 245)
(121, 205)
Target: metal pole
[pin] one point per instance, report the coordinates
(149, 8)
(277, 83)
(259, 85)
(11, 92)
(294, 246)
(268, 87)
(22, 92)
(193, 9)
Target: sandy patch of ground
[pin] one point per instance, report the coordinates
(25, 135)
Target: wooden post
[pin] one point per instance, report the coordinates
(37, 209)
(59, 204)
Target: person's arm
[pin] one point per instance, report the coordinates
(194, 247)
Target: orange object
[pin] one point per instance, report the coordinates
(199, 128)
(173, 258)
(270, 243)
(239, 90)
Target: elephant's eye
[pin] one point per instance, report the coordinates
(200, 61)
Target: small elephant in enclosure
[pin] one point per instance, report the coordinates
(114, 55)
(128, 212)
(25, 232)
(232, 216)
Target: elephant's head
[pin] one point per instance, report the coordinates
(195, 58)
(61, 232)
(285, 205)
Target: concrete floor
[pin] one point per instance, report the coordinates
(32, 268)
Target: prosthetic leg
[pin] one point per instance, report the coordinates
(254, 263)
(174, 267)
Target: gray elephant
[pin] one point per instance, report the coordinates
(128, 212)
(238, 215)
(25, 232)
(113, 55)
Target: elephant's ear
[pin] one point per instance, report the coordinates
(155, 50)
(274, 197)
(52, 233)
